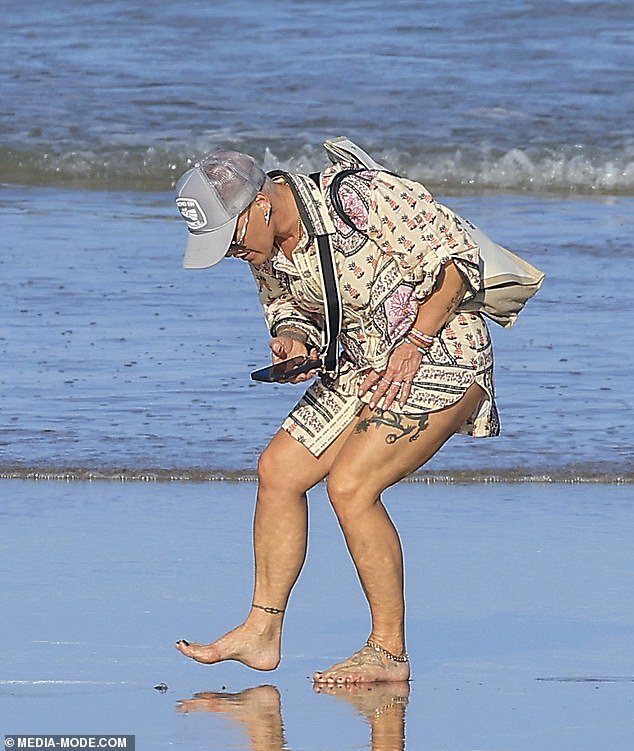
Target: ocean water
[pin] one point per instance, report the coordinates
(115, 361)
(521, 95)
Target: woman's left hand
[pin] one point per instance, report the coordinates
(396, 381)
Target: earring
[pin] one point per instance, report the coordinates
(267, 215)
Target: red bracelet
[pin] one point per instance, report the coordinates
(424, 339)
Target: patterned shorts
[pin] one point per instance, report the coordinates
(323, 413)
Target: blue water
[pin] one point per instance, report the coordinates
(112, 357)
(524, 94)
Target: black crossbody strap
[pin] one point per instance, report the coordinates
(332, 303)
(328, 271)
(332, 298)
(329, 285)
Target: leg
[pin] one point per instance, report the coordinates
(286, 471)
(383, 449)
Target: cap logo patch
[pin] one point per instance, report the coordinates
(192, 213)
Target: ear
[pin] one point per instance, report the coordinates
(263, 202)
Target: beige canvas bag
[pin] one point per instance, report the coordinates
(508, 280)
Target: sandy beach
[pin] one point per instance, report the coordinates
(520, 619)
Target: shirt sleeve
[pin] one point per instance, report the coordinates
(279, 307)
(420, 234)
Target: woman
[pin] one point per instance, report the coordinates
(413, 371)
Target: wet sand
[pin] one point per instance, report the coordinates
(520, 619)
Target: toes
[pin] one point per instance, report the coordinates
(185, 648)
(334, 679)
(348, 679)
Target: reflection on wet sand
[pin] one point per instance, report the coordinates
(383, 706)
(258, 711)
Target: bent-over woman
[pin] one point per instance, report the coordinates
(413, 370)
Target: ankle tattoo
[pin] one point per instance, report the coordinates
(271, 611)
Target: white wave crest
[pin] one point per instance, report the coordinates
(537, 169)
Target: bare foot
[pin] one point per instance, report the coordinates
(365, 666)
(255, 644)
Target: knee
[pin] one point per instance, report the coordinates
(272, 496)
(271, 472)
(348, 496)
(278, 474)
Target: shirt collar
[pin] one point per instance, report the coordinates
(315, 214)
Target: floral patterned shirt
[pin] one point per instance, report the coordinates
(388, 264)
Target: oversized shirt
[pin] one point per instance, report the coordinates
(386, 267)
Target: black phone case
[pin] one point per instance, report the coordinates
(280, 372)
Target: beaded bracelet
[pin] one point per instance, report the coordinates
(424, 339)
(426, 343)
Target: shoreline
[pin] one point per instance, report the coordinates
(573, 475)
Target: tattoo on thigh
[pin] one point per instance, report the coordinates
(410, 426)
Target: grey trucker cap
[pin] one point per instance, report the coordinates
(210, 197)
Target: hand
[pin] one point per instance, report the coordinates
(285, 347)
(396, 380)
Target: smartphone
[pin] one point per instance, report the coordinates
(285, 370)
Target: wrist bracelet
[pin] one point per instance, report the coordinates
(422, 349)
(420, 342)
(425, 340)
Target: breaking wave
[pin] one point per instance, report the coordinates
(561, 169)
